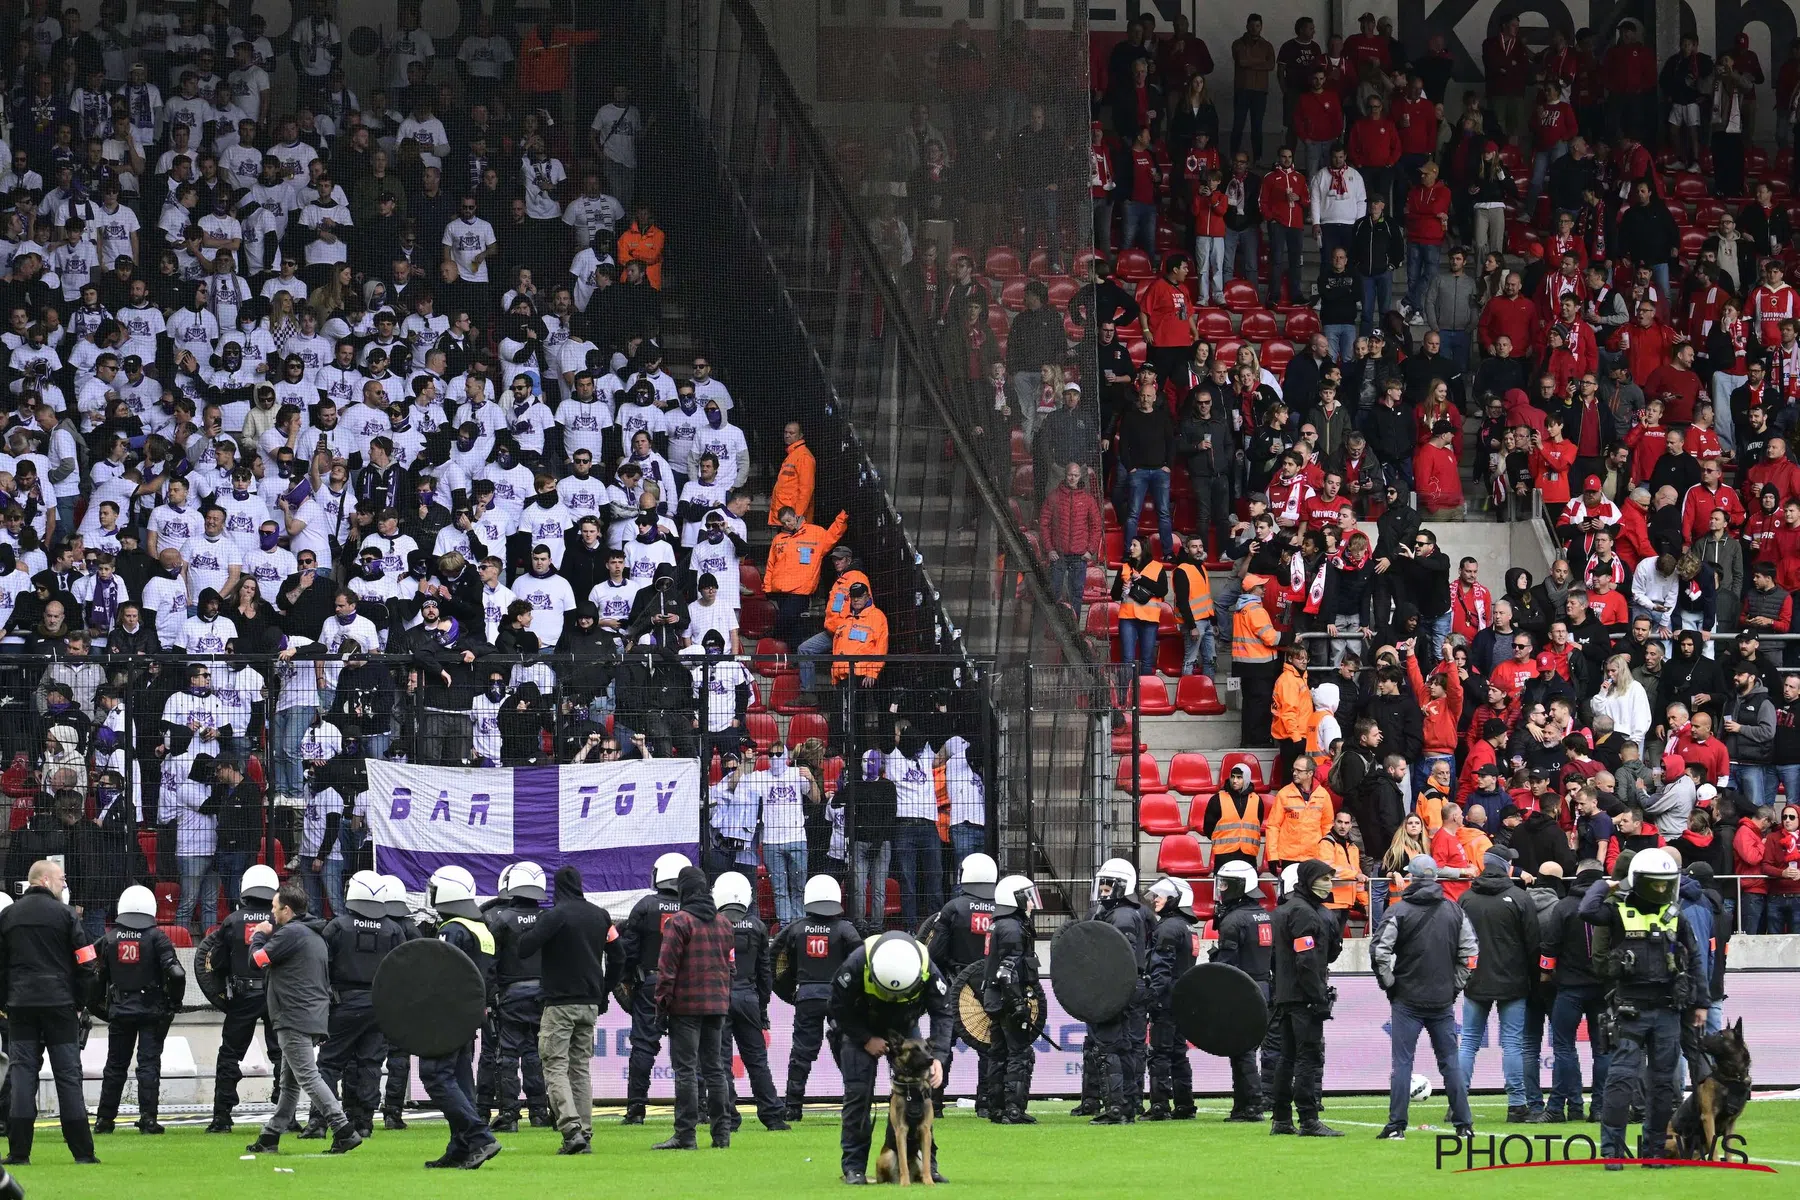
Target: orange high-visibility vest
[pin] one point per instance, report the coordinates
(1238, 832)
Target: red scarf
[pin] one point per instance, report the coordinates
(1339, 185)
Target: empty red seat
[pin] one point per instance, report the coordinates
(806, 725)
(1276, 355)
(749, 579)
(1094, 588)
(1678, 213)
(1191, 774)
(1300, 324)
(762, 729)
(892, 908)
(1002, 261)
(1020, 448)
(1012, 293)
(1024, 482)
(166, 896)
(1215, 323)
(1169, 652)
(1690, 187)
(1227, 349)
(1691, 241)
(1181, 855)
(1121, 740)
(179, 936)
(1149, 774)
(771, 654)
(1153, 696)
(1062, 290)
(784, 695)
(1134, 264)
(1258, 326)
(1159, 814)
(1241, 296)
(1250, 763)
(1102, 619)
(756, 616)
(1707, 213)
(1198, 696)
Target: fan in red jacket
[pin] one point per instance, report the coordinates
(1709, 494)
(1778, 470)
(1374, 141)
(1319, 113)
(1436, 476)
(1367, 45)
(1417, 119)
(1515, 316)
(1285, 196)
(1772, 303)
(1565, 280)
(1553, 121)
(1471, 603)
(1566, 241)
(1428, 209)
(1633, 540)
(1675, 383)
(1646, 344)
(1584, 344)
(1587, 514)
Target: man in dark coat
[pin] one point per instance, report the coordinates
(693, 993)
(1307, 939)
(1506, 922)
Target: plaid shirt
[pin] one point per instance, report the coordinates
(695, 966)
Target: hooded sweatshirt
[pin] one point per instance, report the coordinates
(576, 940)
(695, 964)
(1506, 922)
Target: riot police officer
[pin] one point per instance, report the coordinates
(1246, 940)
(139, 988)
(521, 1006)
(956, 937)
(1118, 1044)
(813, 948)
(1307, 938)
(399, 1062)
(226, 952)
(357, 941)
(881, 991)
(1174, 946)
(642, 945)
(1652, 964)
(487, 1061)
(449, 1080)
(752, 978)
(1007, 986)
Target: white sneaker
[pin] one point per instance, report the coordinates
(1417, 318)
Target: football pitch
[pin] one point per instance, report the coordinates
(1060, 1156)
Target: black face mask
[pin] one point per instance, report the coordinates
(545, 499)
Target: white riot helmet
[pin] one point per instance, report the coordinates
(259, 883)
(1653, 877)
(732, 890)
(366, 895)
(394, 897)
(665, 869)
(1016, 893)
(5, 901)
(1238, 879)
(451, 892)
(1119, 875)
(1176, 892)
(1290, 878)
(979, 873)
(898, 966)
(137, 907)
(824, 898)
(523, 881)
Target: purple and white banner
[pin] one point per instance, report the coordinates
(610, 820)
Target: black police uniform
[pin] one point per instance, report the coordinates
(1307, 937)
(860, 1013)
(959, 937)
(1006, 987)
(45, 971)
(353, 1049)
(1246, 940)
(521, 1012)
(450, 1080)
(228, 949)
(139, 987)
(487, 1062)
(817, 946)
(1119, 1043)
(641, 941)
(1174, 948)
(399, 1062)
(752, 979)
(1652, 964)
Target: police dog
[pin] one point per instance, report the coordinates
(1711, 1111)
(909, 1114)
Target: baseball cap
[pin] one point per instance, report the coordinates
(858, 591)
(1422, 868)
(1591, 484)
(1491, 769)
(1255, 581)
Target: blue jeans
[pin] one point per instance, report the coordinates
(1137, 644)
(1755, 912)
(1197, 648)
(1153, 482)
(808, 668)
(232, 864)
(1378, 898)
(1343, 342)
(1660, 272)
(1421, 268)
(918, 865)
(787, 878)
(1512, 1042)
(1285, 246)
(1040, 213)
(1531, 1052)
(1456, 347)
(1790, 779)
(1783, 915)
(1248, 106)
(1756, 781)
(868, 886)
(325, 887)
(966, 839)
(1209, 269)
(1540, 170)
(196, 873)
(65, 515)
(1140, 227)
(1404, 1025)
(1574, 1001)
(1377, 294)
(1068, 580)
(291, 725)
(1240, 241)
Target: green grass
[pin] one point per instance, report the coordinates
(1058, 1157)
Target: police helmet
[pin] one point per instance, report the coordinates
(137, 907)
(1238, 879)
(1016, 893)
(259, 883)
(523, 881)
(824, 898)
(1120, 875)
(897, 965)
(979, 873)
(665, 869)
(1290, 878)
(451, 892)
(732, 890)
(394, 897)
(5, 901)
(1653, 876)
(1176, 892)
(366, 895)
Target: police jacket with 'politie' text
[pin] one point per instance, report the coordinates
(1246, 938)
(136, 969)
(643, 934)
(960, 935)
(753, 969)
(509, 921)
(817, 946)
(357, 945)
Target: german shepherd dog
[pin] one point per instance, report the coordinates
(1712, 1109)
(909, 1115)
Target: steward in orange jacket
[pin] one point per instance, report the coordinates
(864, 632)
(794, 485)
(1299, 815)
(1292, 708)
(1233, 822)
(1337, 849)
(797, 554)
(643, 242)
(837, 604)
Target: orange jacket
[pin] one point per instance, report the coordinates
(796, 558)
(1441, 717)
(544, 68)
(1293, 705)
(1297, 822)
(861, 633)
(645, 246)
(1346, 867)
(1253, 636)
(794, 486)
(837, 605)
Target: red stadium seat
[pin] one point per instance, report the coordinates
(834, 771)
(1679, 214)
(1181, 855)
(1169, 650)
(1215, 323)
(1241, 297)
(1198, 696)
(1756, 158)
(1191, 774)
(1039, 264)
(1062, 290)
(166, 896)
(1300, 325)
(784, 695)
(1135, 264)
(1707, 214)
(1153, 697)
(1691, 241)
(757, 616)
(1002, 262)
(1103, 619)
(1227, 349)
(999, 324)
(1276, 355)
(769, 655)
(1024, 483)
(179, 937)
(1250, 762)
(1114, 537)
(1012, 293)
(806, 725)
(1094, 589)
(749, 579)
(756, 696)
(1020, 448)
(146, 840)
(1138, 349)
(1690, 188)
(1149, 774)
(762, 729)
(1258, 326)
(1205, 899)
(1082, 260)
(893, 907)
(1159, 815)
